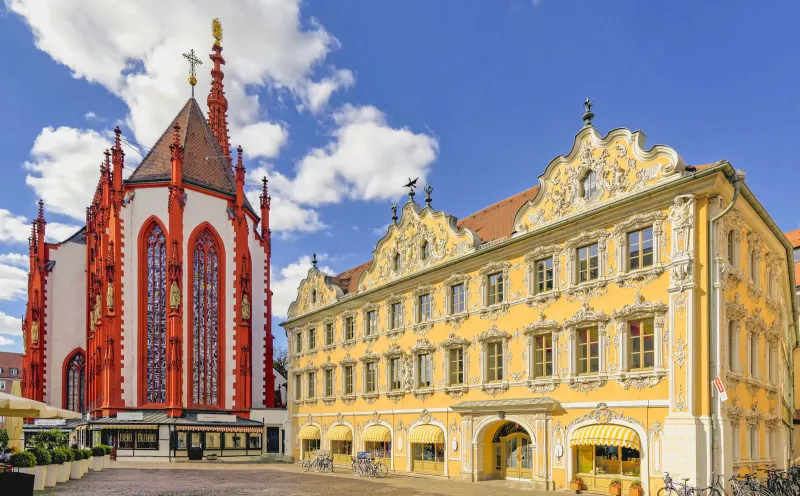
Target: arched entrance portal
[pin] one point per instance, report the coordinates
(512, 452)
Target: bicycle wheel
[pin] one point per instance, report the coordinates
(381, 470)
(665, 491)
(306, 465)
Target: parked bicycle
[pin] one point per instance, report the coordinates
(322, 462)
(672, 488)
(371, 467)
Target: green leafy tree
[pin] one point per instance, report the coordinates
(280, 360)
(3, 440)
(50, 440)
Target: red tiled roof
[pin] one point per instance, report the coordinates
(9, 360)
(348, 280)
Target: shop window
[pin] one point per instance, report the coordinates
(458, 302)
(348, 381)
(498, 457)
(428, 452)
(372, 322)
(608, 460)
(329, 334)
(234, 440)
(588, 351)
(254, 440)
(424, 370)
(125, 440)
(180, 440)
(379, 449)
(341, 450)
(642, 337)
(395, 373)
(640, 249)
(495, 293)
(494, 361)
(310, 446)
(213, 440)
(542, 356)
(543, 275)
(588, 263)
(424, 308)
(456, 366)
(349, 329)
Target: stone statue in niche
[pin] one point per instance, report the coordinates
(407, 375)
(174, 296)
(34, 332)
(245, 307)
(110, 297)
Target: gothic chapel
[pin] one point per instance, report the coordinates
(162, 302)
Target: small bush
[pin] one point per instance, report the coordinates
(57, 456)
(77, 454)
(68, 454)
(576, 480)
(98, 450)
(107, 448)
(636, 483)
(616, 482)
(87, 453)
(23, 459)
(41, 454)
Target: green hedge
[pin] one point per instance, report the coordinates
(42, 455)
(107, 448)
(77, 454)
(23, 459)
(98, 450)
(87, 453)
(68, 453)
(58, 456)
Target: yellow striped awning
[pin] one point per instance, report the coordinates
(377, 434)
(426, 434)
(340, 433)
(208, 428)
(606, 435)
(309, 432)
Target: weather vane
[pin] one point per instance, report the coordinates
(216, 30)
(588, 115)
(193, 62)
(412, 183)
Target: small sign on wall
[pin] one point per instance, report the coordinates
(215, 417)
(720, 387)
(130, 416)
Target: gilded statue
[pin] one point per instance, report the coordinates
(35, 332)
(110, 297)
(174, 296)
(245, 307)
(97, 310)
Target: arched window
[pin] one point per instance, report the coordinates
(396, 262)
(155, 280)
(426, 250)
(75, 378)
(589, 184)
(205, 318)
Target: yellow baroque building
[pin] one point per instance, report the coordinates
(574, 329)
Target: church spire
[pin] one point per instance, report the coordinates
(217, 103)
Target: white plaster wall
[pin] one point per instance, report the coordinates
(205, 208)
(146, 202)
(258, 320)
(66, 314)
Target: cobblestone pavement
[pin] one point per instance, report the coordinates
(246, 479)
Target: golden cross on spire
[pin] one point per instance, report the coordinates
(193, 61)
(216, 30)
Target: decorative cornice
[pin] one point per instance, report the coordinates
(492, 334)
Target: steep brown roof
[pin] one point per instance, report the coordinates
(348, 280)
(204, 163)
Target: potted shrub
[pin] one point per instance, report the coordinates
(636, 488)
(23, 461)
(576, 483)
(86, 459)
(57, 460)
(107, 457)
(98, 453)
(64, 469)
(42, 461)
(615, 488)
(75, 469)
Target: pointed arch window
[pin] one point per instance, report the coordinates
(76, 382)
(205, 318)
(156, 314)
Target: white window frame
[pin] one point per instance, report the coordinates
(311, 332)
(753, 361)
(734, 345)
(326, 343)
(451, 343)
(348, 315)
(733, 234)
(637, 311)
(539, 254)
(418, 310)
(493, 335)
(311, 395)
(353, 376)
(365, 317)
(655, 221)
(487, 270)
(298, 342)
(332, 371)
(538, 328)
(583, 319)
(451, 317)
(599, 236)
(298, 387)
(772, 363)
(370, 364)
(390, 374)
(418, 362)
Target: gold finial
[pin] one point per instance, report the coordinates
(193, 61)
(216, 30)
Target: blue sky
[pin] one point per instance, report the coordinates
(338, 102)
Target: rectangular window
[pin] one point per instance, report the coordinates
(298, 343)
(773, 365)
(458, 302)
(2, 385)
(456, 366)
(329, 334)
(328, 383)
(395, 372)
(588, 263)
(544, 275)
(396, 316)
(312, 339)
(542, 356)
(234, 440)
(797, 255)
(733, 346)
(753, 444)
(1, 370)
(212, 440)
(736, 441)
(349, 329)
(424, 370)
(731, 242)
(495, 294)
(640, 249)
(372, 377)
(754, 267)
(125, 440)
(14, 371)
(642, 344)
(494, 361)
(754, 355)
(312, 385)
(298, 388)
(424, 308)
(348, 380)
(588, 351)
(372, 322)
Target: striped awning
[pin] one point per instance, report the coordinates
(118, 427)
(309, 432)
(210, 428)
(377, 434)
(340, 433)
(426, 434)
(606, 435)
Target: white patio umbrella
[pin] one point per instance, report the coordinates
(15, 406)
(14, 424)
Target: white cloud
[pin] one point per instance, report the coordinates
(287, 216)
(381, 231)
(367, 160)
(287, 280)
(13, 283)
(17, 228)
(15, 259)
(10, 325)
(91, 116)
(317, 93)
(262, 139)
(6, 341)
(64, 168)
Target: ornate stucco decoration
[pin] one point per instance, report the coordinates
(423, 345)
(493, 312)
(422, 238)
(541, 253)
(755, 323)
(492, 334)
(455, 319)
(681, 215)
(327, 364)
(619, 164)
(655, 220)
(425, 417)
(394, 351)
(640, 309)
(586, 317)
(603, 415)
(369, 356)
(315, 291)
(454, 341)
(735, 310)
(640, 381)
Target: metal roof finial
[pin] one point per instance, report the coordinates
(588, 115)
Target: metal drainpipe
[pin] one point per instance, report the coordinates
(736, 180)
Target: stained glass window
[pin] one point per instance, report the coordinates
(76, 374)
(205, 325)
(156, 315)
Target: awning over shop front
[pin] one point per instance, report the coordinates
(606, 435)
(426, 434)
(376, 434)
(309, 432)
(217, 428)
(340, 433)
(123, 427)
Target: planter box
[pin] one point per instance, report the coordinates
(52, 475)
(40, 471)
(17, 483)
(97, 463)
(63, 472)
(75, 470)
(635, 491)
(575, 486)
(107, 461)
(615, 490)
(84, 466)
